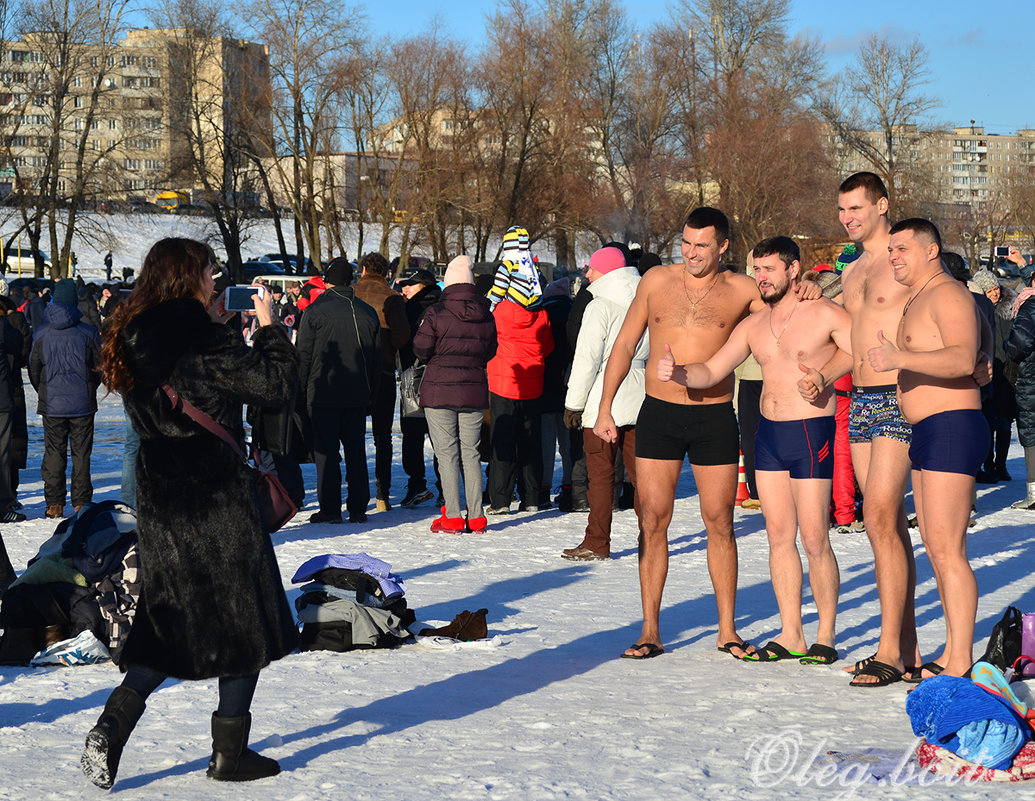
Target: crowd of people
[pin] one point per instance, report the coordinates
(902, 365)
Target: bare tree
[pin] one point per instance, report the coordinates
(883, 90)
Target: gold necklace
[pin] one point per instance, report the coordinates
(794, 308)
(910, 301)
(693, 303)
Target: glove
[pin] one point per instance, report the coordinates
(573, 419)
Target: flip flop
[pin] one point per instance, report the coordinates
(883, 672)
(652, 650)
(860, 665)
(776, 653)
(743, 645)
(819, 654)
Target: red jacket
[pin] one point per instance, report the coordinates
(311, 290)
(524, 337)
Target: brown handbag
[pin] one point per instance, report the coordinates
(275, 505)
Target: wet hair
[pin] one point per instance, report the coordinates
(920, 226)
(871, 182)
(782, 246)
(173, 269)
(707, 217)
(374, 263)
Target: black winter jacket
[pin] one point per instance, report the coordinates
(456, 340)
(212, 599)
(339, 346)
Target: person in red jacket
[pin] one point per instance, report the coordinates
(515, 390)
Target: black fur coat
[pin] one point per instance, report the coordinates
(212, 600)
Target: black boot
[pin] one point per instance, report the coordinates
(104, 743)
(1002, 449)
(7, 574)
(232, 760)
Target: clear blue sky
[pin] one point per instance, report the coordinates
(982, 55)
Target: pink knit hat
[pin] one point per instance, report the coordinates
(607, 259)
(459, 272)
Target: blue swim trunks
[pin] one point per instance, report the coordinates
(950, 442)
(804, 448)
(875, 413)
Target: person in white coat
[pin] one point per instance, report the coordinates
(613, 286)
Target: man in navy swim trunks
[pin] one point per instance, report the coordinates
(794, 456)
(693, 307)
(934, 349)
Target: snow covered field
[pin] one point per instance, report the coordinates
(547, 711)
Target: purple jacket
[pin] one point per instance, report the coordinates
(456, 340)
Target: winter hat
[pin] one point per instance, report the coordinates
(561, 288)
(648, 260)
(338, 272)
(64, 292)
(848, 255)
(412, 277)
(459, 271)
(515, 244)
(985, 280)
(607, 259)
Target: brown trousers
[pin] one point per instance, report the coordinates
(600, 465)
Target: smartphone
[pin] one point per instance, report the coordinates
(239, 298)
(1002, 251)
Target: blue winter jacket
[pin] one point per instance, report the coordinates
(63, 363)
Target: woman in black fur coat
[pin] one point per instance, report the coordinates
(212, 600)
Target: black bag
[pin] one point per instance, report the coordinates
(1004, 644)
(409, 390)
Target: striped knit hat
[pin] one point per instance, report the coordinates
(515, 242)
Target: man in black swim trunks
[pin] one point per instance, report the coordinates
(794, 458)
(934, 351)
(693, 307)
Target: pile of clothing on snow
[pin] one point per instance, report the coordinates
(355, 601)
(979, 727)
(74, 602)
(351, 601)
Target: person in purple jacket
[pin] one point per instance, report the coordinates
(456, 340)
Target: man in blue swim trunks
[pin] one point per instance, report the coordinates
(934, 350)
(794, 458)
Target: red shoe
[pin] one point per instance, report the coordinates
(477, 524)
(453, 525)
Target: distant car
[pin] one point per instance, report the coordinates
(19, 257)
(289, 262)
(191, 210)
(251, 269)
(146, 208)
(16, 287)
(1007, 269)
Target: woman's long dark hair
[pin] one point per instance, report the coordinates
(174, 268)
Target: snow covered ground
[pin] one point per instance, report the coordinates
(548, 711)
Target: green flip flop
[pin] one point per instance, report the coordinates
(773, 652)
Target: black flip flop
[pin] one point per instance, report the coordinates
(819, 654)
(883, 672)
(743, 645)
(774, 653)
(652, 650)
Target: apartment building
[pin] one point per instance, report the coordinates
(967, 164)
(113, 121)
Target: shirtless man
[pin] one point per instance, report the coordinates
(935, 349)
(878, 433)
(693, 307)
(794, 444)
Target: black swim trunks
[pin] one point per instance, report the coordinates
(705, 433)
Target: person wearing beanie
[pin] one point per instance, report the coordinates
(612, 284)
(459, 271)
(517, 276)
(62, 368)
(339, 348)
(456, 339)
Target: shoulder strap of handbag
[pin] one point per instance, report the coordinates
(202, 419)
